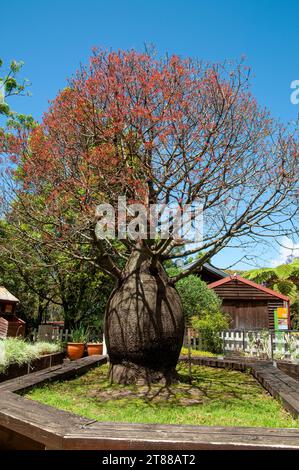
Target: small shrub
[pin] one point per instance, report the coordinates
(196, 297)
(209, 324)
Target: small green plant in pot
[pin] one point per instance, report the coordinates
(75, 349)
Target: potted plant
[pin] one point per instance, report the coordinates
(75, 349)
(94, 348)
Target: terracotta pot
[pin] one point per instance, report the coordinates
(75, 350)
(94, 349)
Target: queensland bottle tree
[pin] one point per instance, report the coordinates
(153, 131)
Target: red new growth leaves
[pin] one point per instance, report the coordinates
(158, 131)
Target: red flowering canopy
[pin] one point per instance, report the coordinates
(157, 131)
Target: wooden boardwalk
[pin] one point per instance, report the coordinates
(25, 424)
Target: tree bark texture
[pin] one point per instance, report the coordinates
(144, 324)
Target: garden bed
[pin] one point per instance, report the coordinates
(19, 357)
(217, 397)
(43, 362)
(28, 424)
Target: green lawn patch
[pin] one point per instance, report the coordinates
(216, 397)
(195, 352)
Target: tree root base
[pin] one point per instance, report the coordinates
(129, 373)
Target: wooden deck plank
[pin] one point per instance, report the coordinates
(60, 372)
(99, 440)
(59, 429)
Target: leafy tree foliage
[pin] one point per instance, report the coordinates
(196, 297)
(210, 324)
(11, 86)
(202, 309)
(283, 279)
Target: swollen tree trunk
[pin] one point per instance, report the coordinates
(144, 324)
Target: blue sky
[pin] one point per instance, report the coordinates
(53, 37)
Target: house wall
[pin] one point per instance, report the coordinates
(247, 313)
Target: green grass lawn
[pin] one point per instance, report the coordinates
(216, 397)
(194, 352)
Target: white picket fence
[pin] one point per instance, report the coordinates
(262, 343)
(54, 334)
(50, 334)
